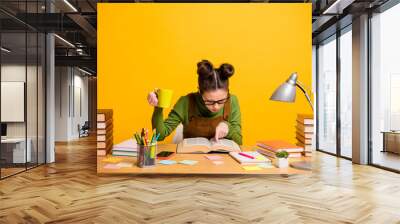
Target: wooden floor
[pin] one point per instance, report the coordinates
(387, 159)
(69, 191)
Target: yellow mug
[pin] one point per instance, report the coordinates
(164, 97)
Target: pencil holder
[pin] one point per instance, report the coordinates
(147, 155)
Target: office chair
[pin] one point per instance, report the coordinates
(84, 130)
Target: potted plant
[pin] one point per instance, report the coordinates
(282, 159)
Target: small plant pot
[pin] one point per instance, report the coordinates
(281, 162)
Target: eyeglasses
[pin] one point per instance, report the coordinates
(212, 102)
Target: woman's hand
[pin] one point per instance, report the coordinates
(152, 98)
(221, 131)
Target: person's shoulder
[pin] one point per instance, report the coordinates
(183, 100)
(234, 99)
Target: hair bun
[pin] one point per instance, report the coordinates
(205, 69)
(226, 71)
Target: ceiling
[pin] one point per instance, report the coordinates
(76, 22)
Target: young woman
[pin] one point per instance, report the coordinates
(211, 112)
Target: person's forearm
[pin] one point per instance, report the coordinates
(165, 127)
(157, 122)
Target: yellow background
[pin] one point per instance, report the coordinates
(147, 45)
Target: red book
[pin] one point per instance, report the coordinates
(278, 145)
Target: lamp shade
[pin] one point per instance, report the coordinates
(286, 92)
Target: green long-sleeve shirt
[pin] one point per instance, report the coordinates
(179, 114)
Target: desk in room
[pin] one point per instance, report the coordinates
(17, 152)
(391, 141)
(204, 165)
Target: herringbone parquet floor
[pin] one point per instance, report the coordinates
(69, 191)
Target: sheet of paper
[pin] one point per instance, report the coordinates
(112, 159)
(167, 162)
(111, 166)
(265, 165)
(124, 165)
(225, 144)
(196, 141)
(188, 162)
(210, 157)
(217, 162)
(251, 168)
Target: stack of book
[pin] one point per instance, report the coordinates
(125, 148)
(269, 148)
(104, 131)
(305, 132)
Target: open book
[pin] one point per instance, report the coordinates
(203, 145)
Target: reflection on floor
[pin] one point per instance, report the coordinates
(387, 159)
(10, 171)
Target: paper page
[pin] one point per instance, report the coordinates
(218, 162)
(225, 144)
(196, 142)
(211, 157)
(194, 145)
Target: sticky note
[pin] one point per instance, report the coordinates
(265, 165)
(111, 166)
(111, 159)
(218, 162)
(251, 168)
(124, 165)
(260, 157)
(167, 162)
(214, 157)
(188, 162)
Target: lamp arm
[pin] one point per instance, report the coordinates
(300, 85)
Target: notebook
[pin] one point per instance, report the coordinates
(258, 158)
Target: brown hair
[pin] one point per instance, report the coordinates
(211, 78)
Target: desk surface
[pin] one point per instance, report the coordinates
(204, 165)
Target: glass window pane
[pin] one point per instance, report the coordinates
(32, 95)
(327, 96)
(13, 86)
(385, 88)
(346, 94)
(41, 98)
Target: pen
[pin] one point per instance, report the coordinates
(153, 136)
(158, 136)
(245, 155)
(147, 136)
(137, 140)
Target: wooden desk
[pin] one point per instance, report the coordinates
(204, 165)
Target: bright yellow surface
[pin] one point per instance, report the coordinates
(147, 45)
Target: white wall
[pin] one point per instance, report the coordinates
(71, 93)
(12, 73)
(33, 127)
